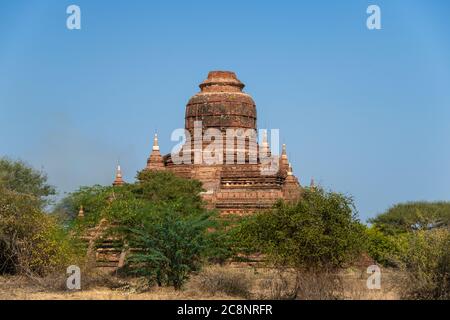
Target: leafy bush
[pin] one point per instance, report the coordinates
(320, 231)
(161, 217)
(95, 200)
(171, 246)
(415, 237)
(124, 205)
(384, 249)
(31, 242)
(19, 177)
(426, 263)
(164, 186)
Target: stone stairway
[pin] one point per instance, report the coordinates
(108, 252)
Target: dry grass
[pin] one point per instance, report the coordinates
(19, 288)
(215, 282)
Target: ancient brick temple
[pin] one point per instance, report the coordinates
(236, 187)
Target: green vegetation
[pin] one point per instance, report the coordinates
(320, 231)
(172, 245)
(408, 217)
(161, 216)
(31, 241)
(426, 262)
(383, 249)
(128, 204)
(163, 223)
(20, 178)
(415, 237)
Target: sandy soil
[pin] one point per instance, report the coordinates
(21, 288)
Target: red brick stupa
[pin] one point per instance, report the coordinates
(236, 187)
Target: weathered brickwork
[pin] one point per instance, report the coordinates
(230, 188)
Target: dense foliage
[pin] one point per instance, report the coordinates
(162, 220)
(31, 241)
(321, 231)
(415, 237)
(127, 205)
(426, 262)
(407, 217)
(21, 178)
(383, 249)
(171, 245)
(161, 216)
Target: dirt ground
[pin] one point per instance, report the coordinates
(213, 283)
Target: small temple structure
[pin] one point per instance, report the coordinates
(242, 186)
(118, 181)
(231, 188)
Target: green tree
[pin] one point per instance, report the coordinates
(382, 248)
(321, 231)
(31, 241)
(21, 178)
(123, 205)
(94, 200)
(166, 187)
(407, 217)
(426, 264)
(415, 237)
(171, 245)
(161, 216)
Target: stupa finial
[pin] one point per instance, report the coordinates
(264, 143)
(155, 143)
(118, 181)
(81, 212)
(290, 171)
(283, 151)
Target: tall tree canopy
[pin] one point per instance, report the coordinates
(21, 178)
(161, 216)
(413, 216)
(31, 241)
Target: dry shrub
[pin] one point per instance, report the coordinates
(229, 281)
(32, 242)
(270, 284)
(286, 284)
(323, 285)
(355, 285)
(276, 284)
(426, 265)
(290, 284)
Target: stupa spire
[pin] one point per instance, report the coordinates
(155, 161)
(290, 171)
(155, 143)
(81, 212)
(265, 149)
(291, 187)
(283, 151)
(118, 181)
(284, 161)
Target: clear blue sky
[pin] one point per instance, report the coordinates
(363, 112)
